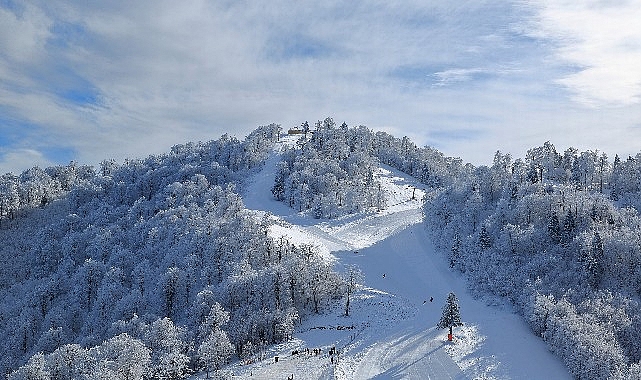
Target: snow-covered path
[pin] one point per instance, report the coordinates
(391, 333)
(412, 353)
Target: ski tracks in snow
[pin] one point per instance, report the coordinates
(417, 354)
(391, 333)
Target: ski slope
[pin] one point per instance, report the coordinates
(391, 333)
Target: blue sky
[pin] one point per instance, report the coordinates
(87, 81)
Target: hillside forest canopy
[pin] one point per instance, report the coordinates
(155, 266)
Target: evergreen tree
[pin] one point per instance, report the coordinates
(278, 190)
(554, 228)
(451, 316)
(485, 241)
(569, 226)
(593, 261)
(614, 178)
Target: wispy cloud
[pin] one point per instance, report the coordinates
(23, 158)
(453, 76)
(602, 39)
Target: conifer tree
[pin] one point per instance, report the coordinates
(593, 261)
(451, 316)
(569, 225)
(554, 228)
(352, 278)
(485, 241)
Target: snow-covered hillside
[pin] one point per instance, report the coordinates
(161, 255)
(391, 331)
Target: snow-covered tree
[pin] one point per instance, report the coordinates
(352, 278)
(35, 369)
(69, 362)
(214, 351)
(593, 261)
(451, 316)
(455, 250)
(554, 228)
(169, 349)
(485, 240)
(122, 357)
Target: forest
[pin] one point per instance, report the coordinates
(557, 235)
(153, 268)
(332, 173)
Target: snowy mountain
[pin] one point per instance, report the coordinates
(325, 254)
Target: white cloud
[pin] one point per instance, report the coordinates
(602, 40)
(23, 34)
(22, 158)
